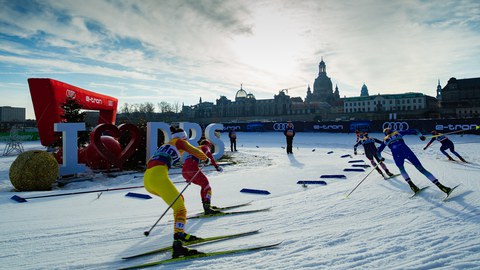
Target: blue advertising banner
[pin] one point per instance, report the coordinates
(467, 126)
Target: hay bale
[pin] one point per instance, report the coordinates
(34, 171)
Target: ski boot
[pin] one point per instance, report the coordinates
(178, 250)
(443, 188)
(463, 160)
(185, 237)
(209, 210)
(388, 173)
(450, 158)
(413, 187)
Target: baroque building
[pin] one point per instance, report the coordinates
(460, 97)
(246, 107)
(322, 88)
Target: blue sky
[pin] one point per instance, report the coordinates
(179, 51)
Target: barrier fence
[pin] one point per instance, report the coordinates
(469, 126)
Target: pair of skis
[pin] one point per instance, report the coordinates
(447, 196)
(195, 242)
(224, 212)
(206, 240)
(203, 255)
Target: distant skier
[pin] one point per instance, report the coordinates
(191, 172)
(371, 151)
(357, 133)
(233, 140)
(400, 152)
(289, 133)
(446, 144)
(157, 182)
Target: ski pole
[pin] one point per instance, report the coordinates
(146, 233)
(457, 131)
(363, 179)
(24, 199)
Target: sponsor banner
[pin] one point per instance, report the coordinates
(234, 126)
(396, 125)
(364, 126)
(424, 126)
(455, 127)
(281, 126)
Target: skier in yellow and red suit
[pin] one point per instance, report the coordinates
(157, 182)
(192, 173)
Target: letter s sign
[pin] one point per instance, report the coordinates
(218, 143)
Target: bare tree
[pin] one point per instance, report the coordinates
(164, 107)
(125, 109)
(135, 108)
(176, 107)
(148, 107)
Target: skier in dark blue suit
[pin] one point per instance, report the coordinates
(370, 151)
(446, 144)
(400, 152)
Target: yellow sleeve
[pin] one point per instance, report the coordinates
(192, 150)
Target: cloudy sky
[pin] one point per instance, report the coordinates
(181, 50)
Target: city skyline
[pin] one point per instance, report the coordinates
(179, 51)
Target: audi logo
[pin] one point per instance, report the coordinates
(396, 125)
(280, 126)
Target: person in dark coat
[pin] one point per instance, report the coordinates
(233, 140)
(289, 133)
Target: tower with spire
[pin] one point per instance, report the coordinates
(322, 87)
(364, 91)
(439, 91)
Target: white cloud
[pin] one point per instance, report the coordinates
(208, 48)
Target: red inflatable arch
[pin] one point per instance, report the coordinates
(48, 96)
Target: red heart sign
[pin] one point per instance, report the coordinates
(112, 130)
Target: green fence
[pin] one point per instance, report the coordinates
(22, 136)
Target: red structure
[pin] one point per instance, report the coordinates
(48, 96)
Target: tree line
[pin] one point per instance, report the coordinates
(149, 108)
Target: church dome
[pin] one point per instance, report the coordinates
(241, 94)
(364, 92)
(250, 96)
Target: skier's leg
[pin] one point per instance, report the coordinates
(442, 149)
(370, 157)
(400, 162)
(384, 167)
(416, 162)
(156, 181)
(452, 149)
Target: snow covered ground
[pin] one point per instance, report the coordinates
(377, 227)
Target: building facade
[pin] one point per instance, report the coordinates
(460, 98)
(12, 114)
(406, 106)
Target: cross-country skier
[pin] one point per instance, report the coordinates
(289, 133)
(157, 182)
(400, 152)
(371, 151)
(191, 172)
(357, 133)
(446, 144)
